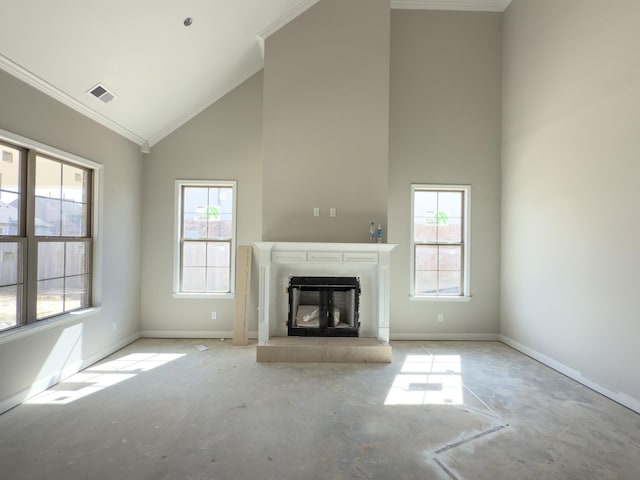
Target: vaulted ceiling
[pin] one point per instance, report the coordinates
(161, 70)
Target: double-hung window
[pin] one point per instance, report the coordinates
(205, 237)
(440, 241)
(46, 234)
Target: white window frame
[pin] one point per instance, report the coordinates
(177, 230)
(33, 147)
(466, 244)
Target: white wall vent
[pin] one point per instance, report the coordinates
(101, 93)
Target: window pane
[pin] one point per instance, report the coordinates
(194, 226)
(10, 163)
(76, 292)
(425, 203)
(50, 298)
(217, 280)
(74, 219)
(10, 263)
(426, 282)
(9, 306)
(74, 184)
(450, 230)
(221, 229)
(449, 283)
(424, 221)
(218, 254)
(426, 257)
(222, 199)
(47, 221)
(424, 230)
(450, 203)
(48, 178)
(449, 258)
(50, 260)
(193, 279)
(194, 254)
(195, 199)
(76, 258)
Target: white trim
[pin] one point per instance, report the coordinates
(473, 337)
(417, 298)
(45, 87)
(621, 398)
(467, 5)
(193, 334)
(186, 334)
(466, 242)
(204, 296)
(281, 21)
(56, 377)
(177, 227)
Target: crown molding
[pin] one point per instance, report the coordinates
(468, 5)
(45, 87)
(286, 18)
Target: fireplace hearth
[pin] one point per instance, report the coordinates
(323, 306)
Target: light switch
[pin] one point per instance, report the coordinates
(316, 212)
(332, 212)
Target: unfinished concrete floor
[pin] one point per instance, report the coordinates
(162, 409)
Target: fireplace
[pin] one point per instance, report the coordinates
(278, 262)
(324, 306)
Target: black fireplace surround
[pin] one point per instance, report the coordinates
(324, 306)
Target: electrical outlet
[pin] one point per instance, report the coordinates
(332, 212)
(214, 315)
(441, 317)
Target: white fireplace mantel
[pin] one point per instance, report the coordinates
(279, 260)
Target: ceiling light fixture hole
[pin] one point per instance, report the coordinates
(187, 22)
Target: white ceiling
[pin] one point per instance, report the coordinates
(161, 72)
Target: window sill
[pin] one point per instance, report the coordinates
(205, 296)
(417, 298)
(42, 325)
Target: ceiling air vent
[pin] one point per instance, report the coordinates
(101, 93)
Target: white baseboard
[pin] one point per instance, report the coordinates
(476, 337)
(621, 398)
(191, 334)
(44, 383)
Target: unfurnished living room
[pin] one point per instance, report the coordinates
(319, 239)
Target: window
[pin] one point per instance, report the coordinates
(440, 241)
(205, 237)
(46, 234)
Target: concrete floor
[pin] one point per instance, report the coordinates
(162, 409)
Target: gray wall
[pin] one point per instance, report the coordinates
(326, 123)
(445, 129)
(221, 143)
(570, 225)
(33, 361)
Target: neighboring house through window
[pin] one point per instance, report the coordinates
(440, 241)
(205, 247)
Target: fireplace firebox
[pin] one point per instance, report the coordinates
(324, 306)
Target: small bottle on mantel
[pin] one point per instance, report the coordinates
(372, 232)
(379, 233)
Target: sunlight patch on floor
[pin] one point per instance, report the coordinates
(102, 376)
(428, 380)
